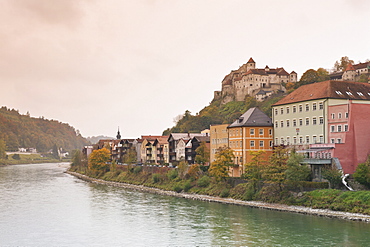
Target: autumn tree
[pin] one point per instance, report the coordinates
(342, 64)
(275, 170)
(323, 74)
(98, 160)
(308, 77)
(202, 154)
(220, 167)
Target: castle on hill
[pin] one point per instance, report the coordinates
(258, 83)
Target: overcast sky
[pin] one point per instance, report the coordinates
(137, 64)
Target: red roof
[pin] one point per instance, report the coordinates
(251, 60)
(350, 67)
(328, 89)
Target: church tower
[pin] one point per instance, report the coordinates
(118, 134)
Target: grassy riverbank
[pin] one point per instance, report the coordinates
(288, 194)
(29, 159)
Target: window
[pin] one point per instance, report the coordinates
(287, 123)
(300, 108)
(339, 128)
(251, 131)
(300, 140)
(281, 110)
(287, 140)
(307, 107)
(346, 114)
(321, 139)
(338, 92)
(307, 121)
(307, 139)
(276, 111)
(332, 128)
(321, 105)
(294, 123)
(281, 123)
(339, 140)
(294, 109)
(270, 143)
(276, 124)
(295, 140)
(276, 141)
(348, 93)
(300, 122)
(270, 131)
(346, 127)
(261, 131)
(332, 116)
(281, 140)
(314, 139)
(332, 140)
(287, 110)
(252, 143)
(261, 144)
(321, 120)
(339, 115)
(314, 121)
(314, 106)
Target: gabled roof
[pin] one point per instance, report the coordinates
(184, 136)
(328, 89)
(361, 65)
(252, 117)
(251, 60)
(350, 67)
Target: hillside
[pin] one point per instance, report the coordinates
(217, 113)
(23, 131)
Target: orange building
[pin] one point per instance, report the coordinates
(252, 131)
(219, 138)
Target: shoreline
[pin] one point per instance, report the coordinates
(255, 204)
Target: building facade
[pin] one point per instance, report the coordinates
(326, 120)
(252, 131)
(219, 138)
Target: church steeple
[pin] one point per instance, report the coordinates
(118, 134)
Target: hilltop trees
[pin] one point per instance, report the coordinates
(341, 65)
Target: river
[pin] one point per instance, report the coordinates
(40, 205)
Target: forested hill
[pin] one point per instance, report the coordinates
(216, 113)
(23, 131)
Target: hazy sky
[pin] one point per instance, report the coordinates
(137, 64)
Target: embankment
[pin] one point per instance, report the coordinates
(255, 204)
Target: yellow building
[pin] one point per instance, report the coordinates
(252, 131)
(219, 138)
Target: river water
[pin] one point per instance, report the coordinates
(42, 206)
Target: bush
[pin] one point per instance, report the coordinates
(172, 174)
(16, 157)
(138, 169)
(362, 174)
(204, 181)
(156, 178)
(187, 186)
(177, 188)
(224, 193)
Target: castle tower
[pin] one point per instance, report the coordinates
(251, 64)
(293, 77)
(349, 74)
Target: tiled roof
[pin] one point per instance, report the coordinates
(350, 67)
(278, 71)
(328, 89)
(361, 65)
(251, 60)
(185, 136)
(252, 117)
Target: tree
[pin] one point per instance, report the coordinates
(253, 170)
(308, 77)
(364, 78)
(295, 171)
(362, 173)
(98, 160)
(275, 170)
(220, 167)
(323, 74)
(334, 176)
(77, 158)
(2, 149)
(202, 152)
(55, 152)
(342, 64)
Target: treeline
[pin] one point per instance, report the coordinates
(23, 131)
(217, 113)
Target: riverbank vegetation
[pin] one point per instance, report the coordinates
(18, 158)
(281, 180)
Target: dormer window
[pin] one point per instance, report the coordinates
(349, 93)
(339, 92)
(359, 93)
